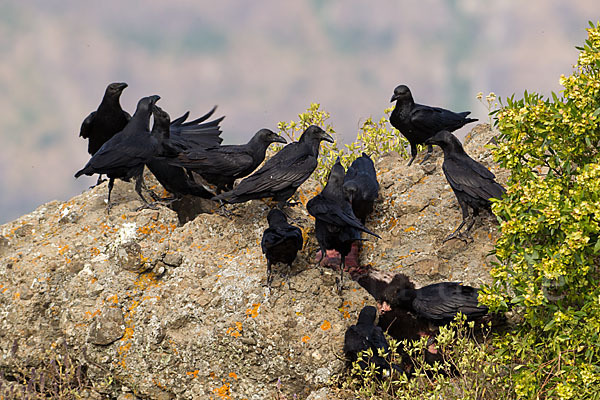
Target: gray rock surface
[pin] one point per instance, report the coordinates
(179, 311)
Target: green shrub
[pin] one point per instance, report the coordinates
(549, 249)
(374, 138)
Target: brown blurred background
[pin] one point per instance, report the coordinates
(261, 62)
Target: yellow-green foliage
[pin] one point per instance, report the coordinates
(374, 138)
(549, 250)
(469, 370)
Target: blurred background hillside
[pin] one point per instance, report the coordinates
(260, 62)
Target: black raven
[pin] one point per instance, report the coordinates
(106, 121)
(418, 122)
(361, 186)
(472, 183)
(173, 179)
(283, 173)
(123, 156)
(366, 335)
(438, 303)
(336, 226)
(280, 242)
(222, 165)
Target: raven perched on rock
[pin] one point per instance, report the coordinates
(283, 173)
(336, 226)
(123, 156)
(366, 335)
(472, 183)
(224, 164)
(280, 242)
(106, 121)
(438, 303)
(173, 179)
(418, 122)
(361, 186)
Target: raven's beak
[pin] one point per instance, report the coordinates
(279, 139)
(327, 137)
(122, 85)
(154, 99)
(394, 97)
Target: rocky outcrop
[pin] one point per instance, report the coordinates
(155, 309)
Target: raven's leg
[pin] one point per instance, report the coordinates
(429, 152)
(111, 183)
(287, 275)
(269, 275)
(139, 183)
(467, 233)
(340, 281)
(465, 215)
(413, 153)
(224, 211)
(98, 182)
(323, 255)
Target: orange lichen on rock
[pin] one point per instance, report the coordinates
(253, 311)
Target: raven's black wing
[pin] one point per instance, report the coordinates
(329, 211)
(224, 160)
(442, 301)
(122, 151)
(276, 235)
(435, 119)
(279, 174)
(469, 176)
(86, 125)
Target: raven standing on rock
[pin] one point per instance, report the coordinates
(472, 183)
(106, 121)
(336, 226)
(361, 186)
(280, 243)
(418, 122)
(124, 155)
(222, 165)
(283, 173)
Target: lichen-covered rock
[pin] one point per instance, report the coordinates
(107, 327)
(180, 311)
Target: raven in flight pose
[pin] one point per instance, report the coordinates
(222, 165)
(418, 122)
(280, 243)
(283, 173)
(173, 179)
(472, 183)
(336, 226)
(361, 186)
(123, 156)
(438, 303)
(366, 335)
